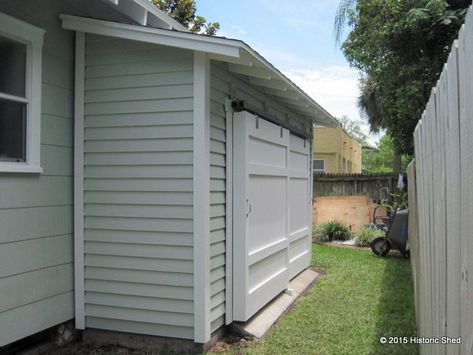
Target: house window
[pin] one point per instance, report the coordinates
(318, 166)
(20, 95)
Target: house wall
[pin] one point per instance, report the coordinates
(36, 241)
(342, 153)
(138, 178)
(331, 161)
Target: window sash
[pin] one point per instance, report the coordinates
(19, 99)
(316, 163)
(33, 37)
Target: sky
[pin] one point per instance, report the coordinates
(297, 37)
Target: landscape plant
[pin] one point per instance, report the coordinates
(333, 230)
(365, 235)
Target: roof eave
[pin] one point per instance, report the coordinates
(242, 58)
(145, 13)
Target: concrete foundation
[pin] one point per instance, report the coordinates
(262, 321)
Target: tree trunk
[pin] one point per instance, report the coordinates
(397, 163)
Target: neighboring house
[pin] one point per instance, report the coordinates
(152, 181)
(335, 151)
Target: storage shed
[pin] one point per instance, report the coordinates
(192, 172)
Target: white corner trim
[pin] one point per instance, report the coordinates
(163, 37)
(229, 212)
(201, 175)
(79, 181)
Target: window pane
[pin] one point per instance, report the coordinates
(12, 131)
(318, 164)
(12, 67)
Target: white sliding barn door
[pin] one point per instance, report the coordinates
(300, 205)
(269, 192)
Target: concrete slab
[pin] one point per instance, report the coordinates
(262, 321)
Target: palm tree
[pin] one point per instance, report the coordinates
(368, 102)
(370, 107)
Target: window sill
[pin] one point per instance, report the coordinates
(20, 168)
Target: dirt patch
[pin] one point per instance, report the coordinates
(85, 349)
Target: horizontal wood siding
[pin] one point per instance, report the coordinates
(36, 214)
(217, 203)
(138, 200)
(36, 253)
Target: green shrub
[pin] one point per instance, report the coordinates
(365, 235)
(333, 230)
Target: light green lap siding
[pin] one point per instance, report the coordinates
(36, 213)
(217, 203)
(138, 197)
(36, 261)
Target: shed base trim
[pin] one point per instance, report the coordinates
(261, 322)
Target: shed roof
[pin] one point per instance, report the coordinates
(241, 58)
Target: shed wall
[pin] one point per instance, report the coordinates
(226, 85)
(36, 242)
(138, 180)
(218, 93)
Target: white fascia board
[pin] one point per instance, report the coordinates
(227, 50)
(190, 41)
(286, 94)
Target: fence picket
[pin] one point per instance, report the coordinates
(441, 205)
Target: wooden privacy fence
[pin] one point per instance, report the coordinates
(370, 185)
(441, 205)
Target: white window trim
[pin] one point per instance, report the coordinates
(32, 37)
(318, 170)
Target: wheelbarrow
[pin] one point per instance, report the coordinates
(395, 234)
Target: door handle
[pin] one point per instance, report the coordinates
(249, 208)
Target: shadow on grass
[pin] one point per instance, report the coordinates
(395, 310)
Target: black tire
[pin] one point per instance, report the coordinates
(380, 246)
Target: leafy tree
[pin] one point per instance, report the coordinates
(184, 12)
(400, 47)
(353, 127)
(381, 161)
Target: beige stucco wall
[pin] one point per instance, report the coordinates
(341, 152)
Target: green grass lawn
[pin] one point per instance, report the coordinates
(359, 299)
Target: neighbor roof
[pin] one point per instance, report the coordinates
(243, 60)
